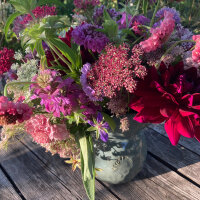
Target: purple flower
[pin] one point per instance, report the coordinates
(98, 14)
(122, 22)
(18, 25)
(160, 14)
(101, 127)
(141, 19)
(86, 35)
(86, 88)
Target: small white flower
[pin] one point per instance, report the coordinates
(18, 55)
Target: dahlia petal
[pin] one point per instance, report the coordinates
(185, 126)
(149, 115)
(171, 130)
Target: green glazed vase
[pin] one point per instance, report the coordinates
(121, 158)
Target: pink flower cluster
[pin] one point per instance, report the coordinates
(83, 4)
(42, 131)
(160, 34)
(114, 71)
(6, 58)
(196, 51)
(39, 13)
(11, 112)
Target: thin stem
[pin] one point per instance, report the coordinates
(154, 13)
(171, 48)
(15, 83)
(60, 56)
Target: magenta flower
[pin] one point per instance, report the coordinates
(173, 97)
(196, 51)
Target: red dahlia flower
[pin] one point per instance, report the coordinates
(172, 95)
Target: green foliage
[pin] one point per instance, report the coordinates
(24, 6)
(88, 165)
(110, 121)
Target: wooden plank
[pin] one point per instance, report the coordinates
(31, 176)
(185, 161)
(63, 171)
(157, 182)
(189, 143)
(7, 192)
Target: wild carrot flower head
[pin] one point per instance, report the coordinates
(114, 71)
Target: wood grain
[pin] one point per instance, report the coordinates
(185, 161)
(31, 176)
(189, 143)
(157, 182)
(7, 192)
(64, 173)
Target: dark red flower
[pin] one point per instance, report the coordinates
(172, 95)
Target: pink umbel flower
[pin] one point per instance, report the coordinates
(6, 58)
(160, 34)
(196, 51)
(113, 71)
(42, 131)
(83, 4)
(11, 112)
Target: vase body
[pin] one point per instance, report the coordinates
(121, 158)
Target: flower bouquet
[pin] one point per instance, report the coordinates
(72, 77)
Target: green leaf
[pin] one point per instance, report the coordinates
(24, 6)
(59, 67)
(91, 129)
(64, 49)
(39, 48)
(110, 121)
(9, 22)
(88, 166)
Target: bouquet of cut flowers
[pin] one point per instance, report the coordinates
(72, 77)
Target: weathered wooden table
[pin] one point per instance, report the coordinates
(28, 172)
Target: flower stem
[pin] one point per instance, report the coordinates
(15, 83)
(171, 48)
(154, 13)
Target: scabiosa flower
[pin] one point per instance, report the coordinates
(83, 4)
(113, 71)
(101, 127)
(11, 112)
(42, 131)
(98, 14)
(176, 14)
(86, 87)
(159, 34)
(6, 58)
(86, 35)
